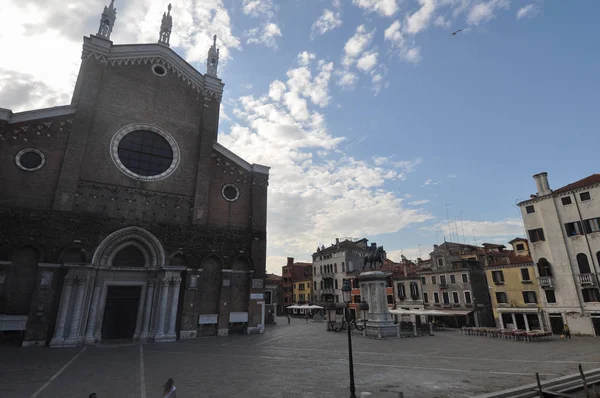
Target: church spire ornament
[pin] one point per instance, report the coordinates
(107, 20)
(165, 27)
(213, 59)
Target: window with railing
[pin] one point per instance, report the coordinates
(574, 228)
(401, 291)
(544, 267)
(583, 263)
(414, 290)
(442, 279)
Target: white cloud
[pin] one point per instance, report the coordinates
(356, 45)
(258, 8)
(430, 182)
(453, 176)
(422, 17)
(367, 61)
(394, 35)
(385, 8)
(529, 11)
(410, 254)
(46, 31)
(509, 227)
(484, 11)
(413, 55)
(266, 35)
(441, 22)
(346, 79)
(276, 90)
(305, 57)
(419, 202)
(329, 20)
(315, 189)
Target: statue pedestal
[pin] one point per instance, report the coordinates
(373, 290)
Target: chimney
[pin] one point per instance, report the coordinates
(435, 247)
(290, 260)
(541, 183)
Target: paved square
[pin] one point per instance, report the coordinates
(300, 360)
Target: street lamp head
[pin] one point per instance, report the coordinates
(364, 310)
(347, 291)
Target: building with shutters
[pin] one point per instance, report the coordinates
(563, 227)
(121, 215)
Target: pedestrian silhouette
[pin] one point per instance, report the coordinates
(169, 389)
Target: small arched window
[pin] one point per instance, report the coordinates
(321, 268)
(315, 285)
(344, 268)
(584, 265)
(544, 267)
(129, 256)
(336, 284)
(321, 285)
(335, 268)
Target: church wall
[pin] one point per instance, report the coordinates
(134, 94)
(32, 188)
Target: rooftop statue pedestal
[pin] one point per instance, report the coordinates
(380, 323)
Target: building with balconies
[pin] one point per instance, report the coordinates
(453, 280)
(563, 227)
(515, 289)
(407, 287)
(332, 264)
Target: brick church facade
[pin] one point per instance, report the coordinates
(121, 216)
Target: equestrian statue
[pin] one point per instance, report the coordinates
(376, 255)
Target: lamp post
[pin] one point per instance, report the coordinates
(331, 312)
(347, 296)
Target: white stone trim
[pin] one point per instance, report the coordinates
(232, 156)
(114, 148)
(150, 243)
(42, 113)
(237, 192)
(49, 265)
(158, 74)
(26, 150)
(258, 168)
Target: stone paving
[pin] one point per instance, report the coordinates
(300, 360)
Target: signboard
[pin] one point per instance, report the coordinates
(209, 319)
(257, 283)
(256, 296)
(235, 317)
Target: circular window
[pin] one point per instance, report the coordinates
(145, 152)
(30, 159)
(230, 192)
(159, 70)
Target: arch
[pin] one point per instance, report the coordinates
(583, 263)
(40, 249)
(177, 260)
(131, 255)
(142, 239)
(336, 284)
(544, 268)
(21, 280)
(241, 263)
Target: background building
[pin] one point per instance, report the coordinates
(454, 281)
(563, 228)
(121, 216)
(514, 290)
(293, 272)
(302, 291)
(273, 292)
(408, 290)
(331, 266)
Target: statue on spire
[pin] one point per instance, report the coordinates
(107, 20)
(213, 59)
(165, 27)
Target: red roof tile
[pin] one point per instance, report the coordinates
(591, 180)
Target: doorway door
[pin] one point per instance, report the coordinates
(120, 314)
(556, 323)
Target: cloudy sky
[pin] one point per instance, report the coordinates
(372, 117)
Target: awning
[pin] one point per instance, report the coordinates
(456, 312)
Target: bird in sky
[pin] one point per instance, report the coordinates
(454, 33)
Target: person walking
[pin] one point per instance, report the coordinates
(169, 389)
(289, 319)
(567, 332)
(306, 317)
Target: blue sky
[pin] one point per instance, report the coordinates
(383, 120)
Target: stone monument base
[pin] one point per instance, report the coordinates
(380, 323)
(381, 330)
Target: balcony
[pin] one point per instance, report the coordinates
(587, 279)
(443, 286)
(328, 290)
(546, 282)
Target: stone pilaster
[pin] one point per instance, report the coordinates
(172, 334)
(59, 332)
(91, 325)
(73, 338)
(225, 303)
(162, 311)
(148, 309)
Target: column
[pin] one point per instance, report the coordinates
(59, 333)
(91, 325)
(148, 309)
(77, 311)
(501, 320)
(526, 322)
(100, 313)
(174, 300)
(140, 314)
(164, 297)
(540, 321)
